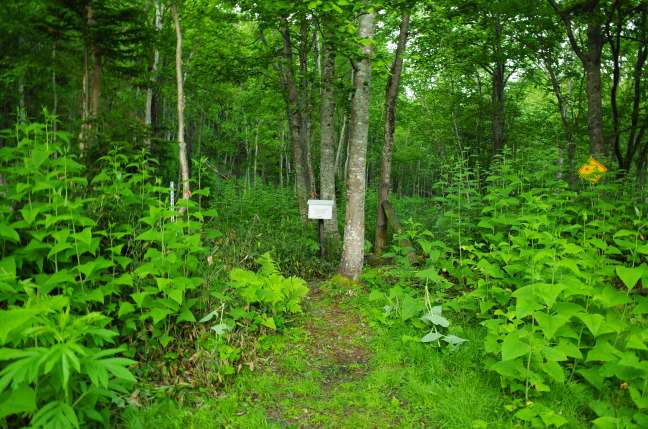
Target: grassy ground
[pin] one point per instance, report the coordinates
(336, 369)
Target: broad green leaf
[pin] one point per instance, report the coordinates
(554, 370)
(431, 336)
(125, 308)
(593, 377)
(550, 323)
(7, 269)
(640, 400)
(595, 323)
(21, 400)
(510, 368)
(607, 422)
(410, 307)
(436, 319)
(159, 314)
(630, 275)
(603, 351)
(527, 301)
(454, 340)
(611, 297)
(8, 233)
(636, 342)
(14, 319)
(513, 348)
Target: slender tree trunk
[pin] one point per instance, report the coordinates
(391, 97)
(591, 59)
(256, 154)
(595, 109)
(305, 106)
(354, 226)
(295, 123)
(182, 146)
(642, 163)
(96, 85)
(340, 145)
(150, 91)
(563, 108)
(327, 139)
(54, 93)
(22, 110)
(85, 105)
(499, 114)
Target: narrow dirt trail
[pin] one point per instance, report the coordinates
(323, 367)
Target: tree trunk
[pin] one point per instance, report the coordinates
(96, 86)
(563, 108)
(340, 146)
(22, 109)
(256, 154)
(499, 114)
(150, 91)
(595, 109)
(327, 139)
(54, 93)
(182, 146)
(85, 108)
(305, 106)
(391, 96)
(294, 122)
(591, 60)
(354, 227)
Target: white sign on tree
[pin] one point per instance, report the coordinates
(320, 209)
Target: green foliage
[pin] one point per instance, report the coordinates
(86, 263)
(557, 279)
(267, 292)
(553, 275)
(266, 219)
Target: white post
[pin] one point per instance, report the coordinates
(172, 199)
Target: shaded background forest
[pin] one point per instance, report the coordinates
(479, 76)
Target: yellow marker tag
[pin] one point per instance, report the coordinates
(592, 171)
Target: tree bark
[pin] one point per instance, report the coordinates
(354, 228)
(498, 78)
(594, 99)
(150, 91)
(54, 94)
(563, 108)
(391, 97)
(182, 146)
(591, 61)
(96, 85)
(305, 106)
(294, 122)
(499, 113)
(327, 138)
(85, 108)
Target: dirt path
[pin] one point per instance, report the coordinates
(337, 339)
(323, 366)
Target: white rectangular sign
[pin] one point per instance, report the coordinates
(320, 209)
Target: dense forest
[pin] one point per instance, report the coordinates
(481, 260)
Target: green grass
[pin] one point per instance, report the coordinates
(338, 369)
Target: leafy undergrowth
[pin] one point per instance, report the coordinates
(339, 368)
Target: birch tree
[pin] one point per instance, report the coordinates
(354, 225)
(182, 146)
(327, 136)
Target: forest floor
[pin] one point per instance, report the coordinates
(334, 368)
